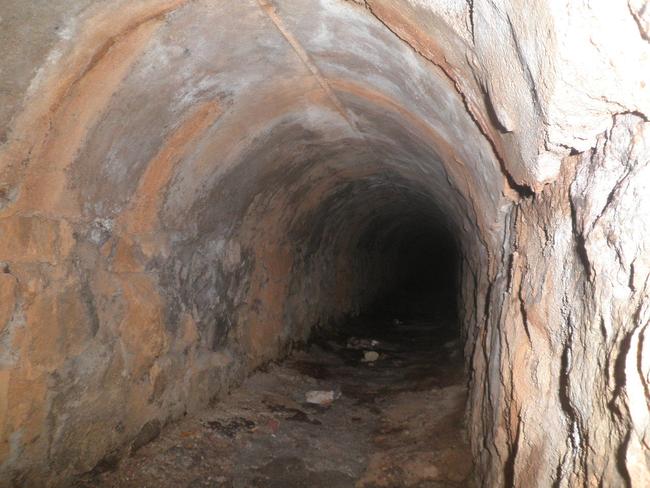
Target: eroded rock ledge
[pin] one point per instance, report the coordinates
(188, 187)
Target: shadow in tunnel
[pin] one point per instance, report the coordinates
(426, 281)
(408, 335)
(421, 257)
(400, 362)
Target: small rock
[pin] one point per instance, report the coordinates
(321, 397)
(370, 356)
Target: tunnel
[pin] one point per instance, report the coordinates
(443, 201)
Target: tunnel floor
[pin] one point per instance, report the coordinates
(395, 422)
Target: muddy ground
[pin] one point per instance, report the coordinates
(396, 421)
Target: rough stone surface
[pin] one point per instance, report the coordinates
(187, 188)
(377, 433)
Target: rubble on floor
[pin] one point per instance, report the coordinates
(323, 419)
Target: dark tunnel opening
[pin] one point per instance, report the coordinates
(399, 359)
(400, 246)
(425, 283)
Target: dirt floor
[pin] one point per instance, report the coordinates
(396, 421)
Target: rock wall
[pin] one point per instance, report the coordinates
(561, 365)
(187, 188)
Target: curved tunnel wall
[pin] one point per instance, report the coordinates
(188, 187)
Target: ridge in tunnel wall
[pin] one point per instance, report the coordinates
(189, 187)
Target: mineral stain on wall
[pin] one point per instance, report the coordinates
(188, 188)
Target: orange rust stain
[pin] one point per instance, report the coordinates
(142, 331)
(264, 317)
(34, 239)
(44, 186)
(454, 165)
(252, 116)
(428, 47)
(469, 92)
(4, 404)
(141, 14)
(411, 32)
(54, 125)
(56, 327)
(107, 28)
(142, 216)
(102, 52)
(8, 290)
(25, 408)
(125, 258)
(190, 332)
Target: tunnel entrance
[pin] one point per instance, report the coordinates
(200, 197)
(374, 400)
(425, 284)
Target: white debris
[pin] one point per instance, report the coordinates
(321, 397)
(370, 356)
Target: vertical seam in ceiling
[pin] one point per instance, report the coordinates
(269, 10)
